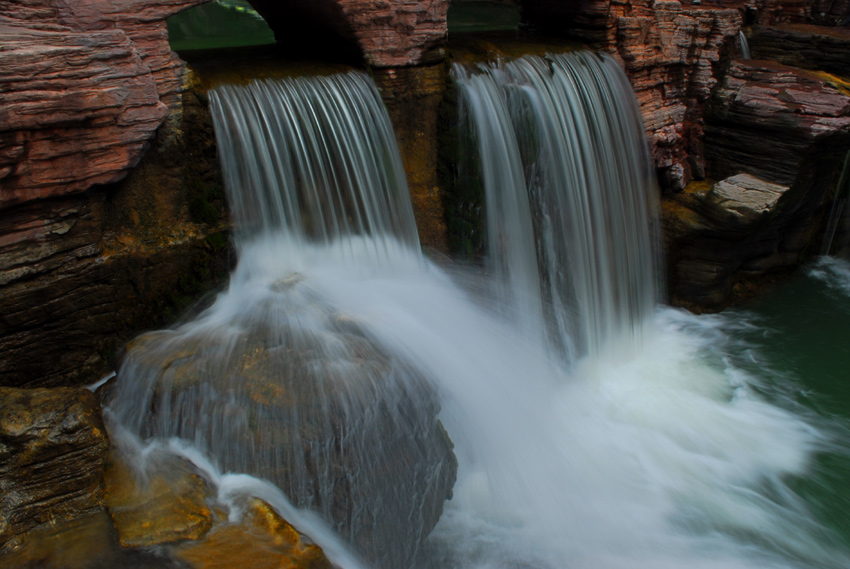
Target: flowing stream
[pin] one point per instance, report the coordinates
(592, 427)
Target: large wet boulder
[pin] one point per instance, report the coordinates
(287, 389)
(52, 451)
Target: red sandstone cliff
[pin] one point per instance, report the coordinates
(85, 85)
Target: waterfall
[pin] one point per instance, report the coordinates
(277, 379)
(569, 192)
(315, 159)
(323, 368)
(744, 45)
(837, 215)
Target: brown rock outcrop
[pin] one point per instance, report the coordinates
(791, 129)
(85, 85)
(261, 540)
(818, 48)
(163, 504)
(81, 273)
(727, 240)
(52, 452)
(78, 110)
(776, 122)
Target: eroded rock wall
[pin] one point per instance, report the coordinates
(52, 453)
(86, 259)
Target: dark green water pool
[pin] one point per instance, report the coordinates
(797, 340)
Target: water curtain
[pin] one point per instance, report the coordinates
(275, 379)
(570, 196)
(314, 158)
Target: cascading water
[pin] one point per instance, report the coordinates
(312, 159)
(837, 213)
(670, 458)
(274, 379)
(565, 133)
(744, 45)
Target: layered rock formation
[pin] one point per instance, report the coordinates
(83, 272)
(775, 121)
(786, 126)
(818, 48)
(52, 451)
(85, 262)
(86, 85)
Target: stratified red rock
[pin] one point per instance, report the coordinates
(78, 110)
(85, 85)
(819, 48)
(778, 135)
(774, 121)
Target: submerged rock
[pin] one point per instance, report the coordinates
(52, 450)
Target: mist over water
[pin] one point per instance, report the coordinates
(667, 452)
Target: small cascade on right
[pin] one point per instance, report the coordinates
(832, 238)
(744, 45)
(569, 192)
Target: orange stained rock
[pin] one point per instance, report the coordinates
(262, 540)
(170, 505)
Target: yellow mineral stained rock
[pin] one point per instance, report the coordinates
(261, 540)
(167, 505)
